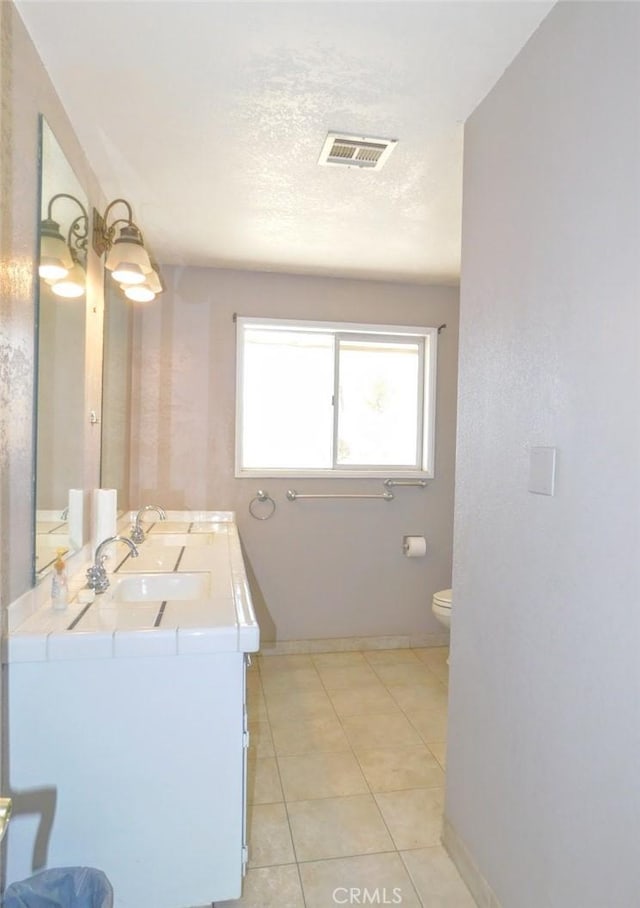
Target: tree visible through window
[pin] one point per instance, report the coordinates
(334, 399)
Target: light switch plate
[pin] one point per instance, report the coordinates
(542, 471)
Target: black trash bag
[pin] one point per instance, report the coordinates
(63, 887)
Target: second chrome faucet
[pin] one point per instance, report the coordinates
(137, 533)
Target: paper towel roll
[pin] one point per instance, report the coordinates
(414, 546)
(75, 518)
(103, 515)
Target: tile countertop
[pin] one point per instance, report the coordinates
(103, 629)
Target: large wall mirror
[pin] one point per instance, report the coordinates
(61, 332)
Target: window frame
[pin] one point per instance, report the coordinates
(354, 330)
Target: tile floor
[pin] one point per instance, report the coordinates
(346, 781)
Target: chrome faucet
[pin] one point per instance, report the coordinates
(137, 533)
(97, 574)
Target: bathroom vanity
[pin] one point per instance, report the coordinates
(131, 712)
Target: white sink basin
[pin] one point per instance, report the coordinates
(160, 538)
(158, 587)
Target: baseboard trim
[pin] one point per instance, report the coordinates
(347, 644)
(481, 891)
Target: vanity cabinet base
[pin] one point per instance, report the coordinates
(133, 766)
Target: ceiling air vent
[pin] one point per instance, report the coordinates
(356, 151)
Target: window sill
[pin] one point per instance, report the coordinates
(333, 474)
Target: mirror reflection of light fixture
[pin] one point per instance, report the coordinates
(72, 285)
(145, 293)
(61, 261)
(127, 259)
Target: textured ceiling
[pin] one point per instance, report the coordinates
(210, 116)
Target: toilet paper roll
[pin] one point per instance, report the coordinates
(414, 546)
(103, 515)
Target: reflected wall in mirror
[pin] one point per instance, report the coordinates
(116, 393)
(61, 331)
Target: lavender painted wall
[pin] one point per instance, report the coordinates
(544, 717)
(330, 569)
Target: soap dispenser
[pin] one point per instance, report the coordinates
(59, 585)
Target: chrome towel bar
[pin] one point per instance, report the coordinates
(292, 495)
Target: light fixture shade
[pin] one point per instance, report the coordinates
(128, 248)
(71, 286)
(153, 281)
(139, 293)
(52, 269)
(55, 256)
(129, 273)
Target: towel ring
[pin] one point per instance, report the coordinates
(262, 497)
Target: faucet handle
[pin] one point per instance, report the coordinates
(97, 578)
(136, 534)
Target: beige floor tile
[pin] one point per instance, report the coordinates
(394, 770)
(431, 724)
(414, 817)
(442, 671)
(435, 658)
(373, 732)
(260, 741)
(383, 876)
(295, 679)
(284, 663)
(347, 677)
(256, 707)
(301, 704)
(269, 835)
(328, 775)
(390, 656)
(301, 736)
(416, 697)
(407, 673)
(364, 701)
(337, 827)
(269, 887)
(435, 877)
(253, 681)
(263, 781)
(439, 751)
(433, 655)
(337, 660)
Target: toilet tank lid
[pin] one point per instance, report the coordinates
(443, 597)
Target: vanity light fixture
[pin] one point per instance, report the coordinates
(127, 259)
(61, 261)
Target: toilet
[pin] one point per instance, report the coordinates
(441, 607)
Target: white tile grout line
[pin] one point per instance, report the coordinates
(355, 755)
